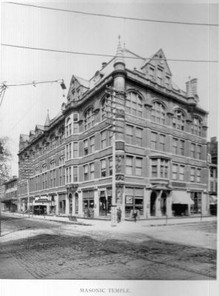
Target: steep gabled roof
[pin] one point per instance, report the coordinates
(158, 56)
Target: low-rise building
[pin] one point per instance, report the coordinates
(9, 196)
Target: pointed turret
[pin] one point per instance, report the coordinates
(47, 119)
(119, 69)
(119, 62)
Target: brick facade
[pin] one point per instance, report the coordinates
(160, 141)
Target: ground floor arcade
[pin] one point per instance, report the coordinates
(96, 202)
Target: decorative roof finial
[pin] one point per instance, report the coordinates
(119, 58)
(47, 118)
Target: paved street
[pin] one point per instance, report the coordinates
(42, 249)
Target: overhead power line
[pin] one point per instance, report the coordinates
(4, 86)
(114, 16)
(101, 54)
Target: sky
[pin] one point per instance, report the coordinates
(25, 106)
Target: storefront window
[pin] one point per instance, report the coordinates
(196, 208)
(88, 203)
(134, 201)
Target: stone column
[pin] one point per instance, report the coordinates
(157, 204)
(123, 204)
(80, 204)
(67, 204)
(169, 205)
(147, 194)
(73, 204)
(96, 203)
(57, 204)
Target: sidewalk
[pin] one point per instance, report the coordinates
(127, 224)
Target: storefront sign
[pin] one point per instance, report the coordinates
(129, 199)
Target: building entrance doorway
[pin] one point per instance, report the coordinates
(153, 203)
(104, 204)
(163, 204)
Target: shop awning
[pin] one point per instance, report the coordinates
(182, 197)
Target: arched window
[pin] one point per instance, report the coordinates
(133, 104)
(88, 118)
(179, 120)
(196, 126)
(158, 113)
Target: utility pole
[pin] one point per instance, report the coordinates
(0, 217)
(114, 108)
(28, 197)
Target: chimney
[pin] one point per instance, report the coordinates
(104, 65)
(191, 87)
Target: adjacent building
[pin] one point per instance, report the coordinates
(129, 127)
(9, 196)
(213, 174)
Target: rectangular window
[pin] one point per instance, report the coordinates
(192, 174)
(151, 72)
(174, 171)
(138, 166)
(129, 165)
(175, 144)
(110, 138)
(164, 168)
(153, 140)
(103, 168)
(139, 135)
(75, 174)
(85, 147)
(91, 171)
(167, 81)
(69, 129)
(92, 143)
(75, 150)
(69, 151)
(211, 186)
(60, 176)
(162, 142)
(66, 150)
(69, 179)
(103, 139)
(110, 166)
(66, 175)
(181, 172)
(198, 175)
(199, 152)
(154, 168)
(129, 134)
(181, 147)
(159, 76)
(192, 150)
(86, 175)
(75, 128)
